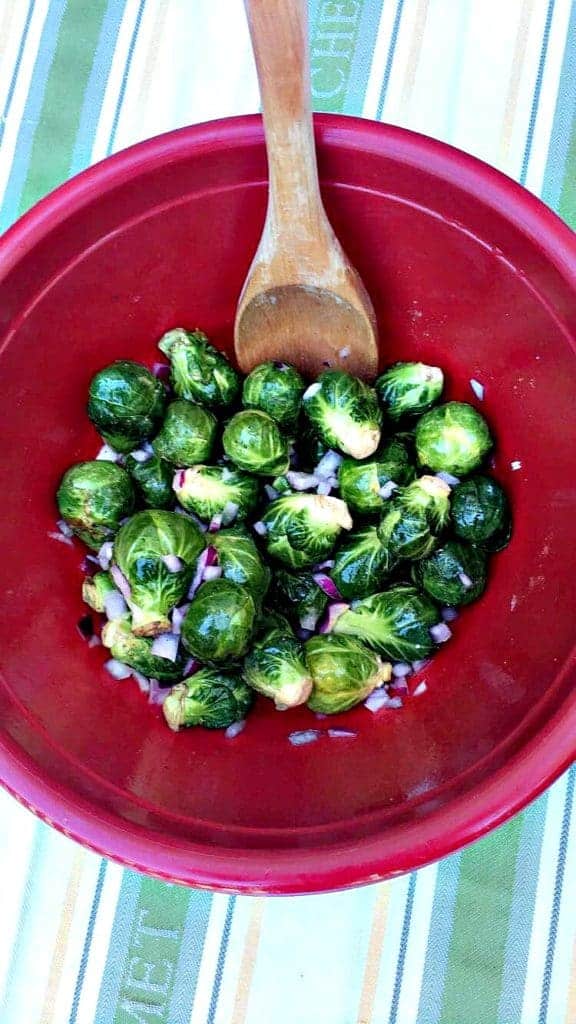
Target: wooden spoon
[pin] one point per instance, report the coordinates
(302, 301)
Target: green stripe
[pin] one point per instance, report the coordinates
(333, 38)
(477, 949)
(567, 204)
(55, 137)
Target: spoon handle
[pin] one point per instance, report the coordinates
(279, 33)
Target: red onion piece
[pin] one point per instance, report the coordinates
(387, 489)
(157, 694)
(117, 669)
(271, 492)
(105, 554)
(161, 370)
(64, 528)
(448, 479)
(420, 689)
(449, 614)
(235, 729)
(298, 739)
(324, 487)
(173, 563)
(56, 535)
(400, 669)
(166, 646)
(143, 681)
(341, 734)
(477, 388)
(108, 454)
(440, 633)
(329, 465)
(332, 614)
(212, 572)
(301, 481)
(229, 512)
(260, 528)
(140, 455)
(328, 564)
(208, 557)
(115, 606)
(121, 582)
(312, 390)
(309, 621)
(215, 523)
(191, 666)
(178, 616)
(398, 687)
(465, 580)
(419, 665)
(379, 699)
(303, 633)
(95, 641)
(327, 585)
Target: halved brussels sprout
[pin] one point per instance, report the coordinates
(136, 651)
(405, 534)
(452, 438)
(187, 435)
(209, 490)
(361, 564)
(153, 479)
(302, 529)
(480, 513)
(277, 389)
(157, 552)
(362, 484)
(95, 590)
(253, 441)
(395, 622)
(126, 403)
(92, 498)
(344, 672)
(276, 668)
(241, 562)
(219, 623)
(344, 413)
(430, 495)
(409, 389)
(454, 574)
(199, 372)
(298, 594)
(210, 698)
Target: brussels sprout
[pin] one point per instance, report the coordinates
(209, 698)
(344, 413)
(126, 403)
(269, 625)
(253, 441)
(300, 596)
(430, 495)
(241, 562)
(92, 498)
(219, 623)
(198, 371)
(361, 483)
(187, 435)
(344, 672)
(136, 651)
(302, 529)
(209, 490)
(453, 438)
(361, 564)
(277, 669)
(455, 574)
(275, 388)
(480, 513)
(409, 389)
(395, 622)
(405, 533)
(95, 590)
(141, 549)
(153, 479)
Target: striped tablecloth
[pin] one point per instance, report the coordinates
(485, 936)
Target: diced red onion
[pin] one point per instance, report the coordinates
(173, 563)
(449, 614)
(260, 528)
(516, 464)
(328, 465)
(139, 455)
(143, 681)
(64, 528)
(324, 487)
(312, 390)
(379, 699)
(398, 687)
(298, 739)
(301, 481)
(94, 641)
(344, 352)
(229, 512)
(191, 666)
(440, 633)
(331, 616)
(166, 646)
(271, 492)
(235, 729)
(303, 633)
(157, 694)
(117, 669)
(108, 454)
(387, 489)
(215, 523)
(212, 572)
(161, 370)
(178, 616)
(320, 715)
(328, 564)
(121, 582)
(400, 669)
(448, 478)
(420, 689)
(341, 734)
(327, 585)
(208, 557)
(308, 622)
(419, 665)
(105, 554)
(465, 580)
(56, 535)
(477, 388)
(114, 605)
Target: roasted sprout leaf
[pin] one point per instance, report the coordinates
(93, 497)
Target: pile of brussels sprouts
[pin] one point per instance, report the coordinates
(261, 535)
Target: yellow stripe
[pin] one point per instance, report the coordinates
(62, 936)
(151, 73)
(373, 955)
(249, 954)
(515, 78)
(413, 58)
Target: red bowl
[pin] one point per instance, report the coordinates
(466, 269)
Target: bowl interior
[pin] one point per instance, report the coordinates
(165, 238)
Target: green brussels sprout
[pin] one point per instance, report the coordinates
(241, 562)
(187, 435)
(157, 552)
(409, 389)
(136, 651)
(253, 441)
(271, 624)
(210, 698)
(198, 371)
(126, 403)
(276, 668)
(344, 413)
(395, 622)
(95, 590)
(480, 513)
(405, 533)
(300, 596)
(277, 389)
(361, 564)
(302, 529)
(92, 498)
(452, 438)
(209, 490)
(344, 672)
(153, 479)
(363, 484)
(430, 495)
(454, 574)
(219, 623)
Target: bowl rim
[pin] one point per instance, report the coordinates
(419, 842)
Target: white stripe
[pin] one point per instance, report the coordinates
(99, 945)
(233, 962)
(543, 902)
(209, 960)
(390, 950)
(16, 14)
(114, 83)
(74, 948)
(417, 944)
(526, 89)
(376, 76)
(16, 843)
